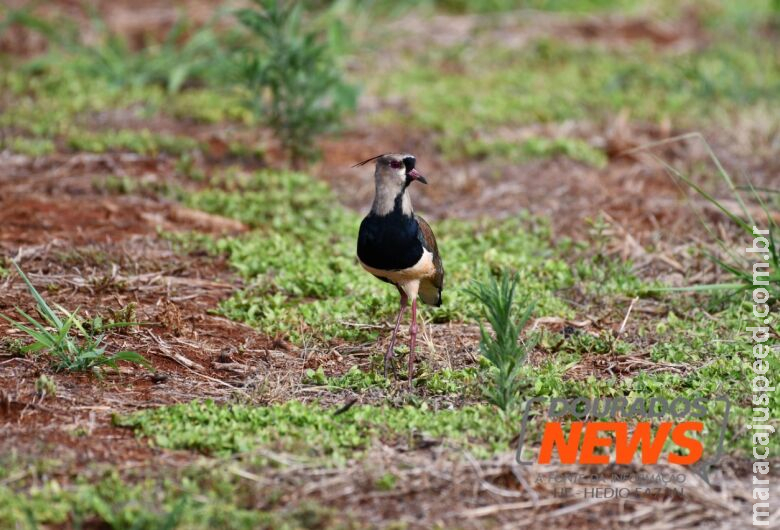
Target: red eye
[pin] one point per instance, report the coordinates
(396, 164)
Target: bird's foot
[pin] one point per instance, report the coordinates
(390, 359)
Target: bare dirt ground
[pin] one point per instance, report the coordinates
(103, 253)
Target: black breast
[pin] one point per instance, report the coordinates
(389, 242)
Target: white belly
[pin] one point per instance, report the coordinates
(424, 268)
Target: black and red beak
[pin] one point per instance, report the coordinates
(411, 173)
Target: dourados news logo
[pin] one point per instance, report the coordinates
(640, 426)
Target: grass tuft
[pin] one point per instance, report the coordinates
(65, 338)
(743, 269)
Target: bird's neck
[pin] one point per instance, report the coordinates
(388, 199)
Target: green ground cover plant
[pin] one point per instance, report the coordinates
(56, 109)
(184, 56)
(489, 6)
(533, 148)
(312, 431)
(143, 142)
(445, 381)
(200, 496)
(552, 82)
(171, 64)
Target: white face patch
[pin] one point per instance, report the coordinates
(390, 182)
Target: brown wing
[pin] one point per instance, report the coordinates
(430, 288)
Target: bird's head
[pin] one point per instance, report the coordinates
(395, 170)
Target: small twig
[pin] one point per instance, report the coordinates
(517, 472)
(20, 359)
(361, 325)
(487, 485)
(493, 509)
(344, 408)
(574, 508)
(625, 320)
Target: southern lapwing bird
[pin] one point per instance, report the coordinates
(399, 247)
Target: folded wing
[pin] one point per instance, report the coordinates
(430, 287)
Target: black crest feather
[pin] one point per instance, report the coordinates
(364, 162)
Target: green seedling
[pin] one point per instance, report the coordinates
(503, 348)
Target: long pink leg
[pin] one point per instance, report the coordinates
(389, 354)
(413, 334)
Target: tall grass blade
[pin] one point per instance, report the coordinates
(741, 266)
(68, 350)
(46, 311)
